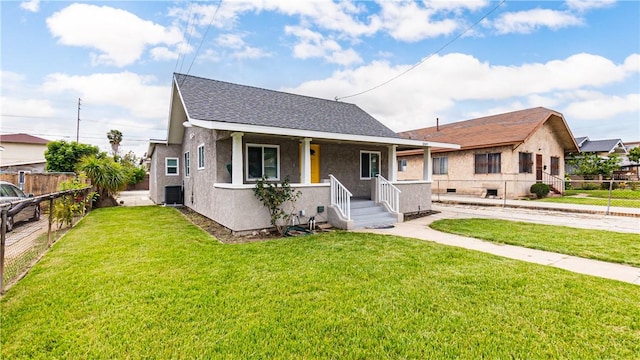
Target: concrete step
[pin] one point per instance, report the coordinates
(365, 213)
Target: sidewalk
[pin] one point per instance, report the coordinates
(575, 208)
(419, 229)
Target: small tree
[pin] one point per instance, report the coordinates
(634, 154)
(115, 138)
(275, 197)
(589, 165)
(106, 175)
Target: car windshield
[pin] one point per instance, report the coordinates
(10, 191)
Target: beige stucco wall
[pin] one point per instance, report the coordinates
(15, 153)
(462, 178)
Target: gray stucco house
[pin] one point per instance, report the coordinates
(223, 137)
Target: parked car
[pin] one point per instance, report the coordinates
(22, 211)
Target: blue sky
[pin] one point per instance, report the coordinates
(579, 57)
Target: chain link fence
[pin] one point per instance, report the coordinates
(602, 192)
(22, 243)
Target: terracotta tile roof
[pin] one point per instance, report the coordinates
(496, 130)
(22, 139)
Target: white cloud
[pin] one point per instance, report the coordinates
(120, 36)
(584, 5)
(314, 45)
(603, 107)
(410, 22)
(233, 41)
(133, 92)
(525, 22)
(32, 5)
(434, 88)
(250, 53)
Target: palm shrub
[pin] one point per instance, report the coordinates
(106, 175)
(274, 197)
(540, 189)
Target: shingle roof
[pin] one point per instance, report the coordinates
(213, 100)
(496, 130)
(23, 139)
(607, 145)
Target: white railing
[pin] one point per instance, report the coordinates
(340, 197)
(388, 193)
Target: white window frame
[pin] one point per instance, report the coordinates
(187, 164)
(262, 146)
(379, 164)
(201, 157)
(166, 166)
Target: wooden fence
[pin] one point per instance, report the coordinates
(38, 184)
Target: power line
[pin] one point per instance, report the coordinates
(190, 28)
(428, 57)
(195, 56)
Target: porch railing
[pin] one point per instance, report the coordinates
(340, 197)
(388, 193)
(556, 183)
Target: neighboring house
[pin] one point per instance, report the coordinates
(223, 137)
(512, 150)
(22, 153)
(602, 148)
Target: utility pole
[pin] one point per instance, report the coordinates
(78, 125)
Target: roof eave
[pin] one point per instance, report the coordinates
(269, 130)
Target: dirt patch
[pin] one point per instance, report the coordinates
(223, 234)
(419, 214)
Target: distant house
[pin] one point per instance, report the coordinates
(605, 148)
(500, 155)
(22, 152)
(223, 137)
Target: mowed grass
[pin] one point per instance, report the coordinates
(593, 244)
(619, 198)
(145, 283)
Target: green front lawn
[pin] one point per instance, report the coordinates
(145, 283)
(592, 244)
(615, 194)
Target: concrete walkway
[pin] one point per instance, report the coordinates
(419, 229)
(134, 198)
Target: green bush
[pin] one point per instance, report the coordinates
(541, 190)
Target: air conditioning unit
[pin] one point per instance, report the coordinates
(173, 195)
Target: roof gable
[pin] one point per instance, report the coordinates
(497, 130)
(212, 100)
(22, 139)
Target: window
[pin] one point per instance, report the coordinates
(440, 165)
(487, 163)
(187, 164)
(263, 160)
(171, 167)
(201, 156)
(525, 164)
(555, 165)
(369, 164)
(402, 165)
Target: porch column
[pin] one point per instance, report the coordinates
(393, 163)
(427, 165)
(305, 168)
(236, 158)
